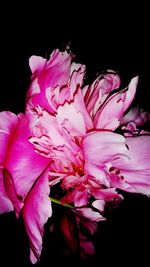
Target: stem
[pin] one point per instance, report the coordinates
(54, 200)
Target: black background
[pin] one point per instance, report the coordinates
(102, 37)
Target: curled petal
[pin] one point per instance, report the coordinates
(109, 116)
(96, 94)
(37, 63)
(99, 204)
(58, 95)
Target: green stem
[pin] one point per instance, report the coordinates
(54, 200)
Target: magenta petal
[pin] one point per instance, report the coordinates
(23, 163)
(53, 72)
(11, 191)
(47, 74)
(36, 211)
(57, 70)
(5, 203)
(8, 122)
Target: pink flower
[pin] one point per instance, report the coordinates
(78, 126)
(77, 133)
(67, 142)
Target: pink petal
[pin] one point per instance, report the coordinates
(55, 71)
(22, 162)
(81, 107)
(108, 194)
(136, 171)
(73, 120)
(96, 94)
(99, 148)
(37, 63)
(99, 204)
(97, 172)
(89, 214)
(80, 198)
(47, 74)
(108, 117)
(36, 211)
(5, 203)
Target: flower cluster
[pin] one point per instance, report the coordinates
(75, 146)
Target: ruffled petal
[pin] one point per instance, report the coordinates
(47, 74)
(55, 71)
(73, 120)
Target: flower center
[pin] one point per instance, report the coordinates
(78, 171)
